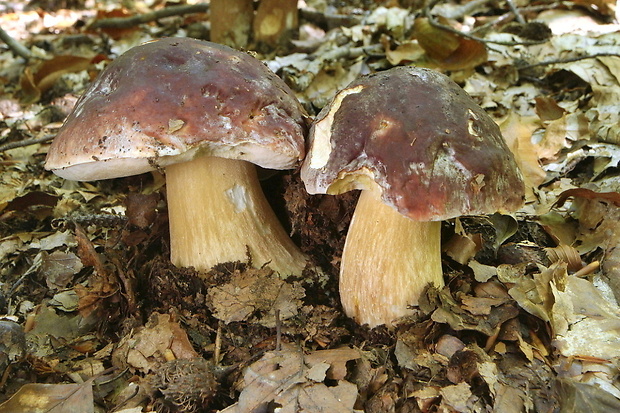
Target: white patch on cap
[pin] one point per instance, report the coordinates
(322, 144)
(470, 123)
(238, 196)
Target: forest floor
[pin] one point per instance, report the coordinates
(96, 317)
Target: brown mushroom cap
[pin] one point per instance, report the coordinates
(433, 151)
(170, 100)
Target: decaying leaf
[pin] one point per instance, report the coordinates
(457, 316)
(295, 382)
(517, 130)
(598, 214)
(12, 342)
(458, 397)
(52, 329)
(534, 294)
(59, 267)
(584, 322)
(51, 398)
(578, 397)
(146, 348)
(256, 293)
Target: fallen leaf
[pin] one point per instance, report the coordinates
(294, 382)
(256, 293)
(449, 50)
(144, 349)
(51, 398)
(36, 81)
(58, 268)
(518, 130)
(578, 397)
(457, 397)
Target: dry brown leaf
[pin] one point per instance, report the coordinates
(256, 293)
(584, 322)
(449, 50)
(295, 382)
(453, 313)
(407, 51)
(59, 267)
(51, 398)
(141, 209)
(480, 306)
(548, 109)
(581, 397)
(145, 349)
(36, 81)
(598, 214)
(534, 294)
(457, 398)
(336, 359)
(517, 130)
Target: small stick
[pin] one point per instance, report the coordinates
(278, 331)
(18, 48)
(26, 142)
(127, 22)
(435, 23)
(588, 269)
(515, 11)
(567, 60)
(218, 345)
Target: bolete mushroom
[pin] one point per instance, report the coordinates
(422, 151)
(204, 113)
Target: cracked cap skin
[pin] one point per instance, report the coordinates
(171, 100)
(433, 151)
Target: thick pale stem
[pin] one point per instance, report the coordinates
(231, 22)
(387, 261)
(276, 21)
(218, 213)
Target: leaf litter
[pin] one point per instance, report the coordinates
(529, 320)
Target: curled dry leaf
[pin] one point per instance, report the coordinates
(36, 81)
(567, 254)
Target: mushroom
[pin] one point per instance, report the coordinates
(422, 151)
(204, 113)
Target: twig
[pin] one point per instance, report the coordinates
(567, 60)
(26, 142)
(126, 22)
(278, 331)
(18, 48)
(217, 351)
(328, 21)
(515, 11)
(435, 23)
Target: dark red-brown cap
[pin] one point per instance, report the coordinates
(432, 150)
(170, 100)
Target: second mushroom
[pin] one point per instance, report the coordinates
(422, 151)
